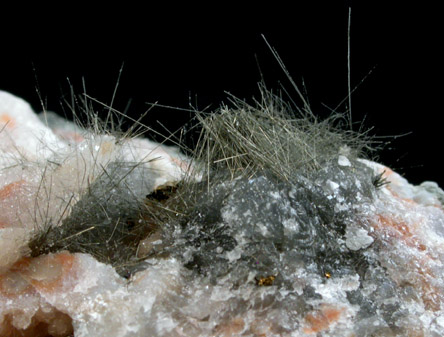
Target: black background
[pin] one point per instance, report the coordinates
(182, 56)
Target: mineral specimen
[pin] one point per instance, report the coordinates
(286, 231)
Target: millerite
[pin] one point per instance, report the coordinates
(275, 223)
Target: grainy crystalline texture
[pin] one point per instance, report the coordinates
(71, 181)
(351, 249)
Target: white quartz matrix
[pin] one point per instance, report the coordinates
(397, 230)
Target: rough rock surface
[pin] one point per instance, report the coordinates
(355, 250)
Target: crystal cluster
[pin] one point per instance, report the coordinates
(351, 250)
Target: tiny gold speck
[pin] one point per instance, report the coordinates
(265, 281)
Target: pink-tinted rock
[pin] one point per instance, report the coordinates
(209, 285)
